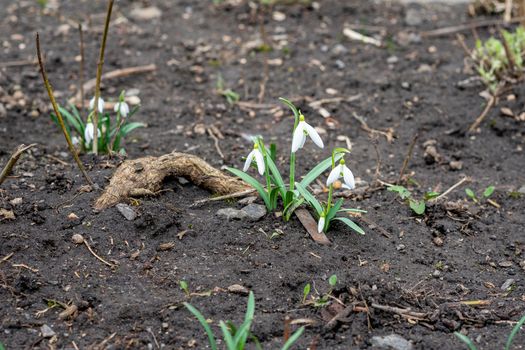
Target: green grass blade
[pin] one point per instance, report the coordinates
(352, 210)
(291, 105)
(71, 120)
(293, 339)
(228, 339)
(466, 340)
(291, 207)
(204, 324)
(351, 224)
(318, 170)
(254, 183)
(129, 127)
(278, 179)
(248, 318)
(242, 335)
(333, 211)
(309, 198)
(514, 332)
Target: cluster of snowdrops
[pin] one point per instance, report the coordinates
(295, 193)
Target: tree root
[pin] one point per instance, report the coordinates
(145, 175)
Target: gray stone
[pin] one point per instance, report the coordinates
(391, 342)
(127, 211)
(254, 212)
(231, 214)
(145, 13)
(413, 17)
(248, 200)
(47, 332)
(507, 284)
(522, 189)
(392, 60)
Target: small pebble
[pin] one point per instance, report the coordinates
(507, 284)
(127, 211)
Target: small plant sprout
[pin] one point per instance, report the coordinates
(486, 194)
(306, 292)
(418, 206)
(184, 287)
(234, 337)
(470, 345)
(327, 213)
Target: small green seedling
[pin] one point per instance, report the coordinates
(510, 339)
(320, 300)
(231, 96)
(236, 338)
(306, 292)
(184, 287)
(486, 194)
(418, 206)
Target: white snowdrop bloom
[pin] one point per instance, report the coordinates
(100, 104)
(341, 170)
(75, 141)
(299, 136)
(89, 133)
(122, 108)
(320, 225)
(259, 159)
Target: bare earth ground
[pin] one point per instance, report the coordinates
(429, 264)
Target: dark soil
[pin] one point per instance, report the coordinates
(429, 263)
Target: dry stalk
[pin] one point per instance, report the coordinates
(12, 161)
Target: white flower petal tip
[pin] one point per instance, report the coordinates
(122, 108)
(88, 132)
(299, 136)
(320, 225)
(256, 155)
(339, 171)
(100, 104)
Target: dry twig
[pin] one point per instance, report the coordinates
(12, 161)
(387, 134)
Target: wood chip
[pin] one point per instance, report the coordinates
(310, 225)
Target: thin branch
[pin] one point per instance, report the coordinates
(451, 188)
(12, 161)
(99, 75)
(465, 27)
(407, 157)
(477, 122)
(58, 114)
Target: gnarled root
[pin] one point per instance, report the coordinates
(146, 175)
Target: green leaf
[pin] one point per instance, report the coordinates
(227, 336)
(293, 339)
(400, 190)
(71, 120)
(332, 280)
(274, 195)
(352, 210)
(278, 180)
(306, 291)
(466, 340)
(291, 207)
(488, 191)
(318, 170)
(248, 318)
(430, 195)
(289, 198)
(351, 224)
(417, 206)
(255, 184)
(273, 151)
(471, 194)
(333, 211)
(204, 324)
(309, 198)
(292, 107)
(514, 332)
(129, 127)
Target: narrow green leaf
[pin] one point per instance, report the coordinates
(333, 210)
(351, 224)
(242, 334)
(274, 195)
(430, 195)
(291, 105)
(254, 183)
(71, 120)
(309, 198)
(248, 318)
(291, 207)
(204, 324)
(470, 194)
(293, 339)
(273, 151)
(514, 332)
(318, 170)
(289, 198)
(466, 340)
(417, 206)
(276, 175)
(488, 191)
(129, 127)
(227, 336)
(352, 210)
(306, 291)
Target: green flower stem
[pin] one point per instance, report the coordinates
(329, 202)
(292, 171)
(267, 174)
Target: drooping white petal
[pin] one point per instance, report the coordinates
(320, 225)
(334, 175)
(88, 132)
(248, 161)
(298, 136)
(303, 141)
(100, 104)
(122, 108)
(314, 135)
(348, 177)
(260, 161)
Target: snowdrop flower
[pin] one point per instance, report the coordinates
(299, 136)
(341, 171)
(75, 141)
(122, 108)
(89, 131)
(100, 104)
(259, 159)
(320, 225)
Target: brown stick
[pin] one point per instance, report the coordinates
(57, 112)
(81, 68)
(117, 73)
(483, 114)
(508, 52)
(99, 76)
(465, 27)
(18, 63)
(407, 157)
(387, 134)
(12, 161)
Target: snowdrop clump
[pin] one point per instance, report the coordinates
(294, 194)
